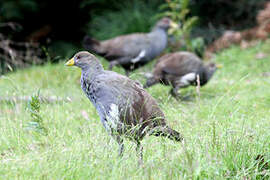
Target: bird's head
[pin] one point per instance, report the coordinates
(166, 23)
(151, 80)
(211, 68)
(84, 60)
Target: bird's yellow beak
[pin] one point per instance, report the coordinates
(173, 25)
(219, 66)
(70, 62)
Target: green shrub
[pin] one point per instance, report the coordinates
(178, 11)
(16, 10)
(128, 17)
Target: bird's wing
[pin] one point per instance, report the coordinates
(128, 45)
(164, 57)
(134, 103)
(179, 64)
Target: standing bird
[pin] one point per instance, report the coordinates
(180, 69)
(124, 107)
(133, 50)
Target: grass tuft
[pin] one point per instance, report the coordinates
(36, 123)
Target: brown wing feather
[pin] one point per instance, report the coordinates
(162, 58)
(126, 45)
(140, 106)
(178, 64)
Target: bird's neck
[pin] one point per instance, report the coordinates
(209, 73)
(160, 35)
(159, 30)
(205, 75)
(90, 72)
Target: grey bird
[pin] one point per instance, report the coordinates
(124, 107)
(180, 70)
(133, 50)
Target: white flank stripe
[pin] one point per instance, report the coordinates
(139, 57)
(186, 79)
(113, 116)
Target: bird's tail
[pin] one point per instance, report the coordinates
(92, 45)
(168, 132)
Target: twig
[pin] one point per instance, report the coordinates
(15, 54)
(198, 86)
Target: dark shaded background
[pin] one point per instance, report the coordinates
(59, 26)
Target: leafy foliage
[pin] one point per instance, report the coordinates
(14, 54)
(178, 11)
(105, 19)
(15, 10)
(130, 16)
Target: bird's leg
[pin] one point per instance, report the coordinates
(120, 61)
(150, 82)
(139, 150)
(174, 92)
(124, 60)
(127, 73)
(121, 147)
(112, 64)
(175, 89)
(119, 140)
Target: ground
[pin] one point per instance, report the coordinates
(226, 128)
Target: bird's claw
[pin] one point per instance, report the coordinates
(175, 94)
(112, 64)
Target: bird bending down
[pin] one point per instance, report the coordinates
(180, 69)
(124, 107)
(133, 50)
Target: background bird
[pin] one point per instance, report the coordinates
(180, 69)
(133, 50)
(124, 107)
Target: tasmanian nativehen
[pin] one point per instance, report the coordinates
(124, 107)
(133, 50)
(181, 69)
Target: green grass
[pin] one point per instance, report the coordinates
(225, 129)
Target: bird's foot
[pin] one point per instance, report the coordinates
(127, 73)
(112, 64)
(121, 150)
(139, 150)
(186, 98)
(175, 94)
